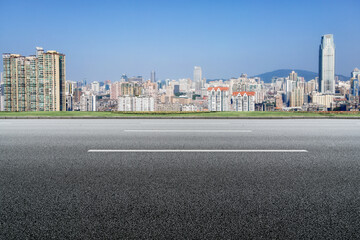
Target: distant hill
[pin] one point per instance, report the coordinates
(266, 77)
(308, 75)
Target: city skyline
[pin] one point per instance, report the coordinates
(231, 38)
(38, 83)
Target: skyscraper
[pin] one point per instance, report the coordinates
(34, 83)
(197, 74)
(327, 64)
(153, 76)
(198, 79)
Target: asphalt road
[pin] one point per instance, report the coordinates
(51, 187)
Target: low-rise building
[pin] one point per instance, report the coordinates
(189, 108)
(136, 104)
(322, 99)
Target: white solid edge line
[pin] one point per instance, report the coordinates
(188, 130)
(193, 150)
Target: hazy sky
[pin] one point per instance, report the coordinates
(104, 39)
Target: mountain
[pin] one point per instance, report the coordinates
(308, 75)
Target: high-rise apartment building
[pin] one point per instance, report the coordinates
(95, 87)
(293, 76)
(1, 92)
(115, 90)
(355, 73)
(354, 87)
(126, 89)
(278, 102)
(34, 83)
(150, 89)
(218, 99)
(243, 101)
(88, 102)
(310, 86)
(297, 97)
(70, 87)
(327, 65)
(354, 82)
(130, 89)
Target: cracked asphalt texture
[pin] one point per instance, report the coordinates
(52, 188)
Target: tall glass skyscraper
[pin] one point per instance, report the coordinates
(327, 65)
(153, 76)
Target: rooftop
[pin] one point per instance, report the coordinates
(243, 93)
(218, 88)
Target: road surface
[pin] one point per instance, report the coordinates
(195, 179)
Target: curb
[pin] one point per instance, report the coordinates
(66, 117)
